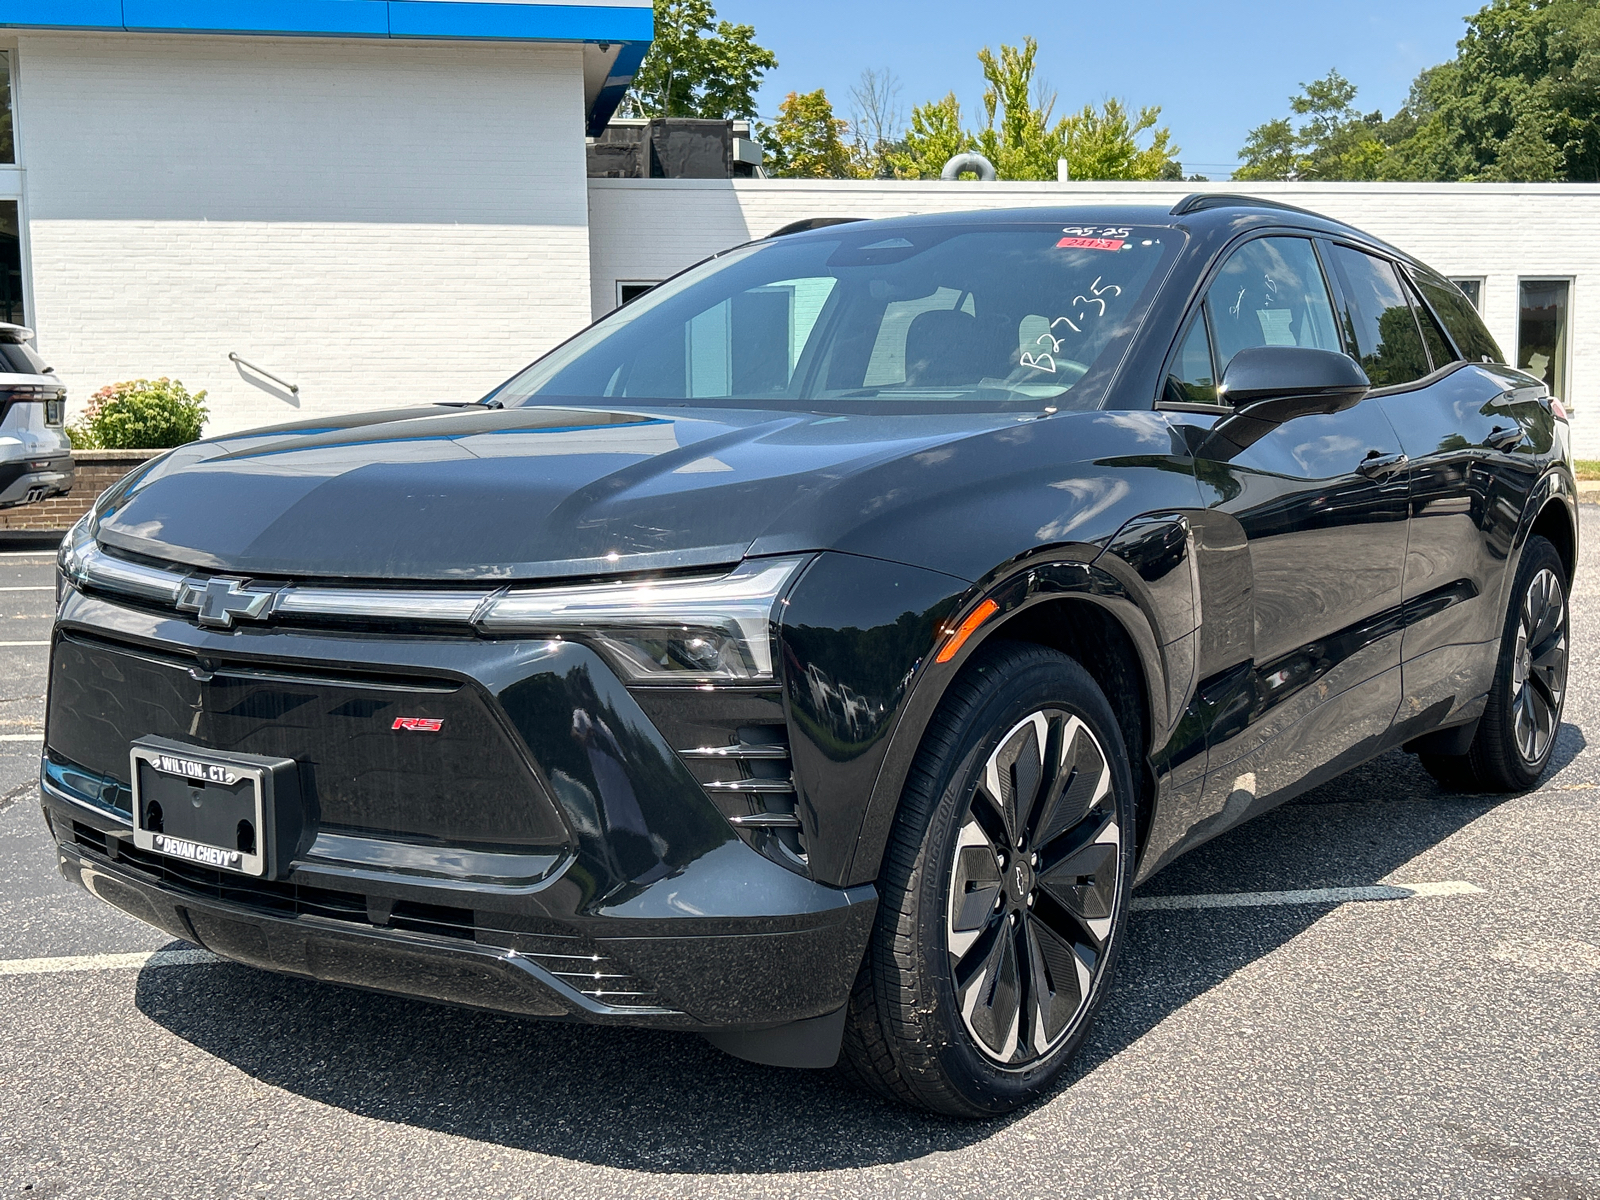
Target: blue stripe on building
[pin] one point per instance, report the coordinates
(342, 18)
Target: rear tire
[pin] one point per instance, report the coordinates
(999, 916)
(1517, 731)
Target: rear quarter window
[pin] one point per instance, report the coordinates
(19, 359)
(1465, 326)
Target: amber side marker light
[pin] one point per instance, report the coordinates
(966, 629)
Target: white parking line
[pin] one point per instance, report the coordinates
(106, 962)
(43, 587)
(1380, 891)
(21, 737)
(43, 554)
(24, 643)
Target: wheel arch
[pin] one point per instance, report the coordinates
(1551, 512)
(1557, 525)
(1075, 606)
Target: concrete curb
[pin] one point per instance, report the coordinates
(1589, 492)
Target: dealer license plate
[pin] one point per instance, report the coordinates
(200, 807)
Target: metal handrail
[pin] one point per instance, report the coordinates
(294, 388)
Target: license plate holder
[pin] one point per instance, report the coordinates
(234, 813)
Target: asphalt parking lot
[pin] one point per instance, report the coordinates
(1445, 1044)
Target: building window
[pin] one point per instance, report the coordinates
(11, 309)
(8, 142)
(629, 290)
(1472, 289)
(1542, 322)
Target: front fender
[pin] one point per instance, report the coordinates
(1060, 573)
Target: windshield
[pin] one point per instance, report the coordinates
(931, 316)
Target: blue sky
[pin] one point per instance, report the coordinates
(1217, 69)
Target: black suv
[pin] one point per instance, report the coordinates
(815, 652)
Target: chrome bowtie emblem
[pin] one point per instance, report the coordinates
(220, 602)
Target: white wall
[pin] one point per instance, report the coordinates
(376, 221)
(648, 229)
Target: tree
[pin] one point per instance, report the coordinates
(698, 66)
(1104, 144)
(1019, 138)
(877, 123)
(1333, 140)
(1269, 152)
(1520, 101)
(807, 141)
(935, 137)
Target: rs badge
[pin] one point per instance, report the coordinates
(418, 724)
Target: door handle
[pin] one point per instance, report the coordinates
(1504, 439)
(1381, 466)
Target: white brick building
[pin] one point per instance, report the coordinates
(388, 206)
(391, 205)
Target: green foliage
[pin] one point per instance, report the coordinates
(1020, 139)
(144, 414)
(1520, 102)
(807, 141)
(698, 66)
(935, 137)
(1104, 144)
(1332, 141)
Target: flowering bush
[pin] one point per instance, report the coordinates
(142, 414)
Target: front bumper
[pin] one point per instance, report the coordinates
(657, 915)
(704, 974)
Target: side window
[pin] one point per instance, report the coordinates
(1439, 349)
(1459, 312)
(1378, 320)
(1271, 292)
(1191, 377)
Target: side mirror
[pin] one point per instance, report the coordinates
(1279, 383)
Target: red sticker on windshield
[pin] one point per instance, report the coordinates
(1083, 243)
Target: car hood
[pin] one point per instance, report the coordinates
(476, 493)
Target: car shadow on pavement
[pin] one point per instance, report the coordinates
(663, 1102)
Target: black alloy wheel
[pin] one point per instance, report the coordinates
(1520, 722)
(1003, 894)
(1539, 666)
(1033, 886)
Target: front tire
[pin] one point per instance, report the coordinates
(1004, 891)
(1517, 731)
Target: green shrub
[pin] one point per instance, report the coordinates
(143, 414)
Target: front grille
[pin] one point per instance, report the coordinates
(574, 960)
(465, 783)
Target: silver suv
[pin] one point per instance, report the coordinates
(35, 456)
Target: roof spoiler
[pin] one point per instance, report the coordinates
(1200, 201)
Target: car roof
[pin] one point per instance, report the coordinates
(1211, 214)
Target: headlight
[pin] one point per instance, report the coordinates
(665, 630)
(74, 550)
